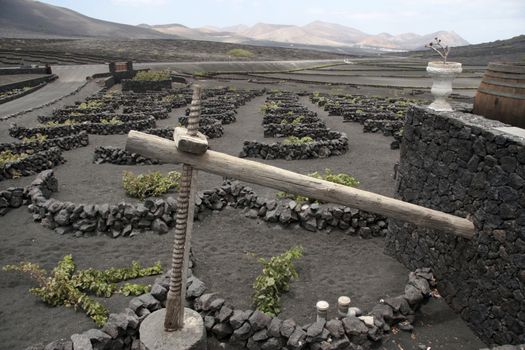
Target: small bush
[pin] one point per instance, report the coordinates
(8, 157)
(35, 138)
(112, 121)
(294, 140)
(240, 53)
(64, 286)
(91, 104)
(296, 121)
(152, 184)
(65, 122)
(201, 74)
(269, 106)
(171, 98)
(341, 179)
(274, 280)
(153, 75)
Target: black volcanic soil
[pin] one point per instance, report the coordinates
(224, 243)
(78, 51)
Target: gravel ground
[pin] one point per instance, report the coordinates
(224, 243)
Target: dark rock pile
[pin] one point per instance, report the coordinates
(11, 198)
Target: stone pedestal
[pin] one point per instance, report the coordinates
(442, 75)
(191, 337)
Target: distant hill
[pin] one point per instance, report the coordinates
(510, 50)
(34, 19)
(318, 33)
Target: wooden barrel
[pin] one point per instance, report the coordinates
(501, 94)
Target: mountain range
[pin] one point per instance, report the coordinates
(316, 34)
(29, 18)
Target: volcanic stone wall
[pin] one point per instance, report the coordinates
(460, 164)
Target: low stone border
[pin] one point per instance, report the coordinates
(254, 329)
(23, 93)
(158, 215)
(310, 117)
(210, 127)
(355, 115)
(65, 143)
(119, 156)
(224, 118)
(32, 164)
(335, 144)
(91, 128)
(93, 117)
(311, 217)
(30, 82)
(387, 127)
(314, 130)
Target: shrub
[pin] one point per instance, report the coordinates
(151, 184)
(65, 122)
(296, 121)
(201, 73)
(294, 140)
(269, 106)
(8, 156)
(91, 104)
(35, 138)
(274, 280)
(240, 53)
(112, 121)
(153, 75)
(64, 286)
(171, 98)
(341, 179)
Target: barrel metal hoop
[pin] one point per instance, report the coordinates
(500, 83)
(501, 94)
(503, 68)
(510, 76)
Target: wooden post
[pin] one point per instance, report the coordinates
(266, 175)
(174, 319)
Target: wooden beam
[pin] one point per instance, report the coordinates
(266, 175)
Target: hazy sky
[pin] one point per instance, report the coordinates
(475, 20)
